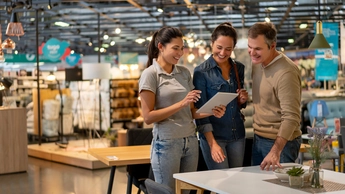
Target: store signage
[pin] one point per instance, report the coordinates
(72, 59)
(128, 58)
(26, 58)
(54, 49)
(326, 60)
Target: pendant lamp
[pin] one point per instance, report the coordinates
(14, 28)
(319, 41)
(8, 45)
(2, 55)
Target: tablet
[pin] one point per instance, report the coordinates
(221, 98)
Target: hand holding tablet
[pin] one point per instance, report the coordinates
(221, 98)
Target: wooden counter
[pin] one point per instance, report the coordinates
(13, 138)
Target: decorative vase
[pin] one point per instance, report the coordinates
(296, 181)
(316, 177)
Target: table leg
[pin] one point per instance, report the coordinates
(180, 185)
(111, 179)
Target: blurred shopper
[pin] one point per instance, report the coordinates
(276, 100)
(222, 140)
(167, 101)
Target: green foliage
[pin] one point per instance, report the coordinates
(110, 134)
(295, 171)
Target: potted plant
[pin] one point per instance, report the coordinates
(111, 135)
(296, 178)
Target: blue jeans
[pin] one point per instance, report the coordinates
(171, 156)
(262, 146)
(233, 150)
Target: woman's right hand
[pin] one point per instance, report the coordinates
(192, 96)
(217, 153)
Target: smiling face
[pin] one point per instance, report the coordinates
(171, 52)
(222, 48)
(259, 51)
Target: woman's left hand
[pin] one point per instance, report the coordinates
(242, 95)
(219, 111)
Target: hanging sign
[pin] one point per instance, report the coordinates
(128, 58)
(53, 49)
(72, 59)
(26, 58)
(326, 60)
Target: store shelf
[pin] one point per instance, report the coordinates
(123, 101)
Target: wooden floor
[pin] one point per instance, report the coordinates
(74, 154)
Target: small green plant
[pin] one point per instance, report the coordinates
(295, 171)
(111, 135)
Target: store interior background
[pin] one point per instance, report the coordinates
(117, 32)
(89, 22)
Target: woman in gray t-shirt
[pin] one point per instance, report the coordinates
(167, 101)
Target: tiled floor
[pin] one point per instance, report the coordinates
(45, 177)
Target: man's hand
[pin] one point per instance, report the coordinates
(272, 159)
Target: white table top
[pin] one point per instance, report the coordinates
(246, 180)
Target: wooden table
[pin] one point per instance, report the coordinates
(244, 180)
(121, 156)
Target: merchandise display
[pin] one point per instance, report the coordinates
(123, 97)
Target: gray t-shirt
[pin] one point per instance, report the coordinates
(169, 89)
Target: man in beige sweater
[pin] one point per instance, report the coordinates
(276, 99)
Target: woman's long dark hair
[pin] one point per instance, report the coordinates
(224, 29)
(163, 36)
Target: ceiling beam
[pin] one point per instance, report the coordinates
(135, 4)
(287, 13)
(191, 7)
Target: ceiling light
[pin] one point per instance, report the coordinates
(160, 10)
(51, 77)
(112, 43)
(267, 19)
(291, 40)
(105, 36)
(190, 57)
(319, 41)
(49, 6)
(8, 45)
(61, 24)
(2, 56)
(117, 31)
(303, 25)
(14, 28)
(140, 40)
(272, 8)
(149, 38)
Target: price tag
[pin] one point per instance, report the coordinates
(112, 157)
(319, 110)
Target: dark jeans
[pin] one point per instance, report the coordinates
(262, 146)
